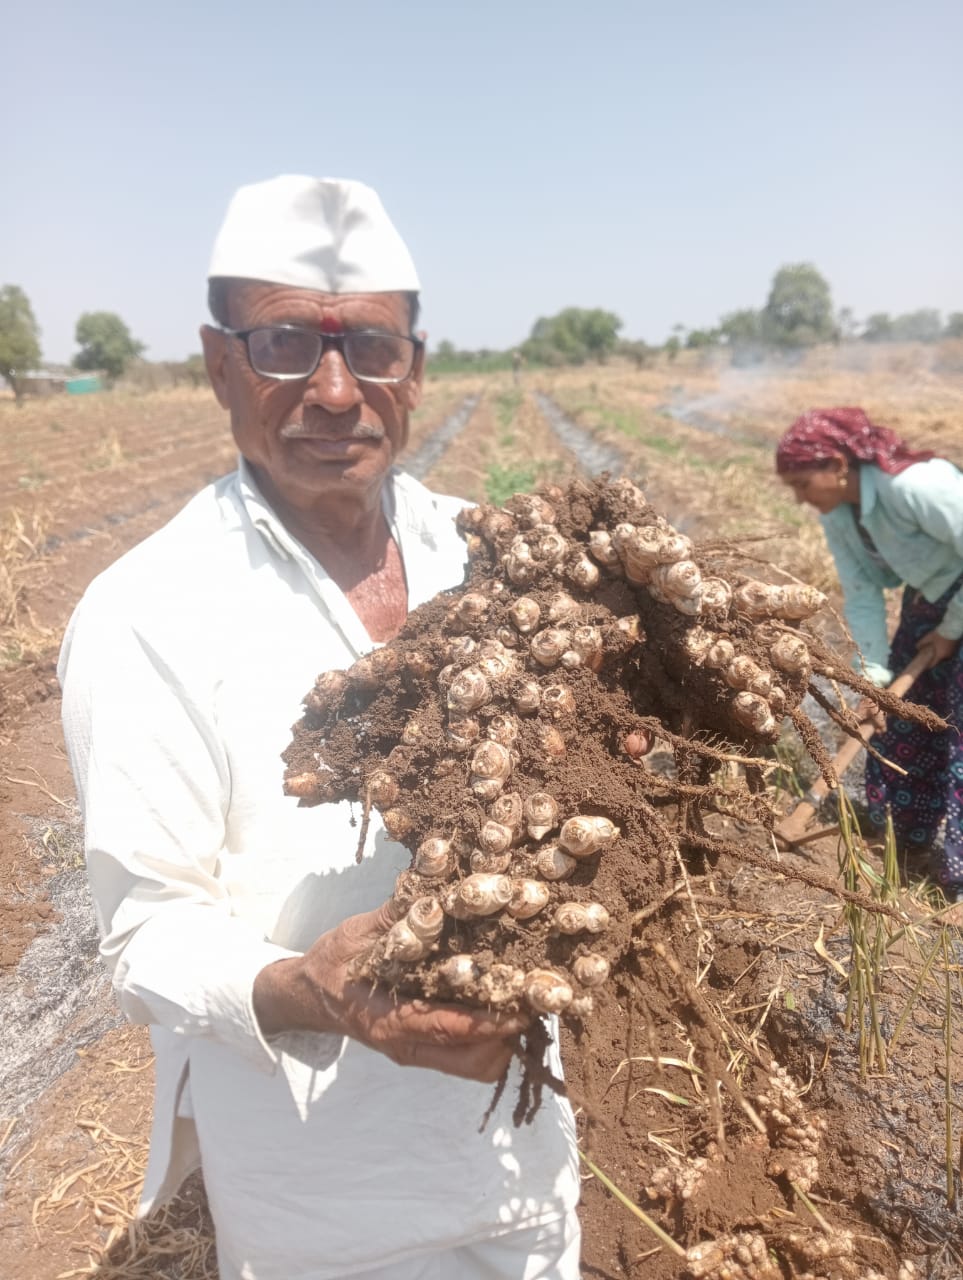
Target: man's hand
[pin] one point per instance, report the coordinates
(937, 647)
(316, 993)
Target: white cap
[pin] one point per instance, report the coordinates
(329, 234)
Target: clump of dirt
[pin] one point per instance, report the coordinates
(503, 737)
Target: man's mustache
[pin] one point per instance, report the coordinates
(355, 431)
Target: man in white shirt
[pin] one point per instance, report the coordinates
(229, 915)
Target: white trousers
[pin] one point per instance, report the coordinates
(539, 1253)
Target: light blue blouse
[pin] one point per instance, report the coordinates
(915, 520)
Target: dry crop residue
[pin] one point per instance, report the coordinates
(501, 737)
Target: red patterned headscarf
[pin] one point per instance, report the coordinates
(821, 433)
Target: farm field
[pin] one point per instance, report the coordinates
(81, 481)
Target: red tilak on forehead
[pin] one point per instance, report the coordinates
(331, 324)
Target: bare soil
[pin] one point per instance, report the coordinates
(879, 1184)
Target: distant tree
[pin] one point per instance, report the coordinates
(878, 327)
(600, 332)
(799, 309)
(702, 338)
(741, 326)
(925, 325)
(572, 337)
(562, 333)
(445, 350)
(19, 337)
(954, 325)
(639, 352)
(105, 343)
(672, 347)
(544, 345)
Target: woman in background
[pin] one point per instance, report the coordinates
(893, 516)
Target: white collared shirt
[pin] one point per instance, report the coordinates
(183, 670)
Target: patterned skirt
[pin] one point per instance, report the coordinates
(932, 788)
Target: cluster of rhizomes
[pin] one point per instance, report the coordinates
(483, 734)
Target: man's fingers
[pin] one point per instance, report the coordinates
(484, 1062)
(471, 1043)
(443, 1024)
(453, 1023)
(442, 1037)
(357, 933)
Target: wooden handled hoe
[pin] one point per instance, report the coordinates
(791, 832)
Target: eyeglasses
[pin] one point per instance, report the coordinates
(286, 352)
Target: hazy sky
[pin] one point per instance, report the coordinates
(657, 159)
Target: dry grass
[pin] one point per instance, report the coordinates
(22, 565)
(94, 1206)
(108, 453)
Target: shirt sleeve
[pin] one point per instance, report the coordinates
(937, 506)
(154, 787)
(863, 584)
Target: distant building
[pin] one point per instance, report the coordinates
(50, 382)
(40, 382)
(79, 384)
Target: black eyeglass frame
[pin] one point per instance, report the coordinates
(337, 340)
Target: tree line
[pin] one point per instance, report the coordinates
(798, 313)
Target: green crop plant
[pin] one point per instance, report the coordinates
(501, 482)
